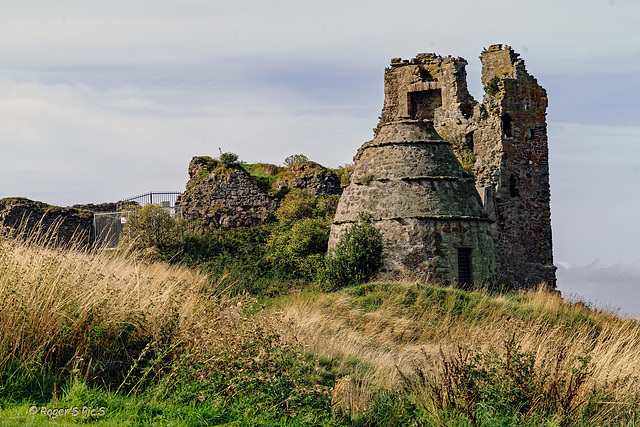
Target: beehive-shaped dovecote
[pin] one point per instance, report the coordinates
(415, 190)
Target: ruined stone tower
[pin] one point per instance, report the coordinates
(433, 221)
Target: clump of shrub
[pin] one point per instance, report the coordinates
(498, 386)
(229, 159)
(299, 204)
(299, 250)
(344, 173)
(295, 160)
(468, 161)
(149, 227)
(356, 257)
(492, 88)
(298, 243)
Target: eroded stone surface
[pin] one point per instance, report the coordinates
(52, 223)
(223, 195)
(405, 174)
(423, 203)
(230, 197)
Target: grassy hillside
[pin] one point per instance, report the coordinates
(148, 343)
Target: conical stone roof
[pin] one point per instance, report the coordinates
(422, 201)
(407, 170)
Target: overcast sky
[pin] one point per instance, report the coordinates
(101, 100)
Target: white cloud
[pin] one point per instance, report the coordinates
(572, 36)
(75, 143)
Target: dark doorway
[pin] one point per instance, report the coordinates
(464, 267)
(513, 186)
(468, 141)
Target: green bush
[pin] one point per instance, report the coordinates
(299, 204)
(236, 255)
(148, 227)
(356, 257)
(229, 159)
(295, 160)
(299, 249)
(297, 245)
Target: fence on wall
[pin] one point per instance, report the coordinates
(166, 199)
(107, 226)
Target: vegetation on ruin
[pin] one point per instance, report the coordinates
(366, 179)
(265, 174)
(295, 160)
(269, 177)
(229, 159)
(492, 87)
(277, 179)
(468, 162)
(344, 173)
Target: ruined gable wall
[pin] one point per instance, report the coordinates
(507, 135)
(521, 193)
(502, 141)
(223, 195)
(229, 196)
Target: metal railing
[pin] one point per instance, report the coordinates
(166, 199)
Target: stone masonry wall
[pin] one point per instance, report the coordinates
(229, 196)
(222, 195)
(520, 188)
(422, 202)
(54, 224)
(502, 141)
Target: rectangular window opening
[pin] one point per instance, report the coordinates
(423, 104)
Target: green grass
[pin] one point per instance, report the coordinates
(147, 409)
(266, 175)
(160, 344)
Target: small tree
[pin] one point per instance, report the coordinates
(229, 159)
(356, 257)
(298, 248)
(295, 160)
(149, 226)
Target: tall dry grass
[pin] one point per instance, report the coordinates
(393, 330)
(65, 308)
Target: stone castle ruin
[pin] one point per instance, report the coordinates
(458, 189)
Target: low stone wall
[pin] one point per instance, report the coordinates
(53, 224)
